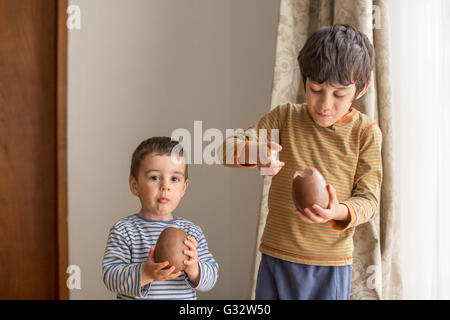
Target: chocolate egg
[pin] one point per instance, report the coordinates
(308, 188)
(170, 247)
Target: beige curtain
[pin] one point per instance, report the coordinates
(376, 271)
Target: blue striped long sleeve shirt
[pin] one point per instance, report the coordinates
(127, 249)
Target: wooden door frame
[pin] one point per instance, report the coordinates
(61, 149)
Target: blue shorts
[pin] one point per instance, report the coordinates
(284, 280)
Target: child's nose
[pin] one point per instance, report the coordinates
(326, 103)
(165, 186)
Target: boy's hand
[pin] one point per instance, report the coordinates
(155, 271)
(270, 165)
(263, 155)
(192, 267)
(335, 211)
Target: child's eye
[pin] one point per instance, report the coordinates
(176, 179)
(338, 96)
(155, 178)
(315, 91)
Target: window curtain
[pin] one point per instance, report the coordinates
(376, 269)
(420, 33)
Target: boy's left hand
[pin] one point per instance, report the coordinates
(334, 211)
(192, 267)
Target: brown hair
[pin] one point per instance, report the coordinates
(155, 145)
(337, 54)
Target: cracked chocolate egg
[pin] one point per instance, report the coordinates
(308, 188)
(170, 247)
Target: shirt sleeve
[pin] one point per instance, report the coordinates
(364, 202)
(209, 268)
(119, 274)
(266, 129)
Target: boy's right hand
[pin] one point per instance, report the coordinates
(152, 270)
(264, 156)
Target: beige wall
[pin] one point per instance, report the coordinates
(141, 68)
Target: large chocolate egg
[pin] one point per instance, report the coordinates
(308, 188)
(170, 247)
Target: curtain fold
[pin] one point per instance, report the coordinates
(376, 268)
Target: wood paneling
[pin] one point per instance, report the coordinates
(29, 144)
(61, 151)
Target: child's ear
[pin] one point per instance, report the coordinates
(363, 92)
(133, 186)
(186, 183)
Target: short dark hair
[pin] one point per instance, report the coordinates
(155, 145)
(337, 54)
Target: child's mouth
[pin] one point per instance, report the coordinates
(163, 200)
(322, 115)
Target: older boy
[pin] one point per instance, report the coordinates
(129, 268)
(309, 255)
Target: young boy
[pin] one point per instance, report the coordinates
(309, 255)
(129, 268)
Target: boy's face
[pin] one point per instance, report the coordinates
(327, 104)
(160, 186)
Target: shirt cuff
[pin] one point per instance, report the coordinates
(143, 292)
(200, 285)
(342, 225)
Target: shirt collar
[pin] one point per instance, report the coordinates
(350, 114)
